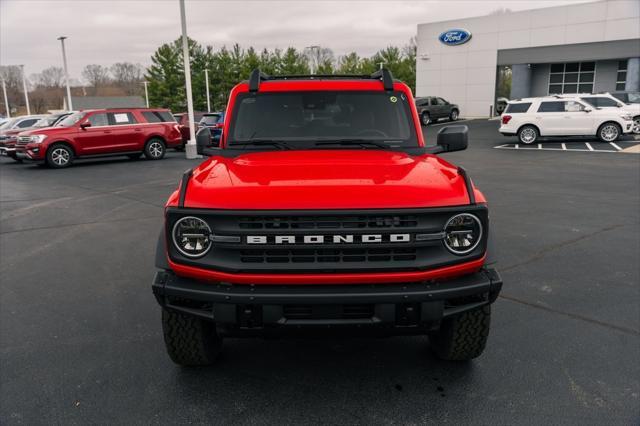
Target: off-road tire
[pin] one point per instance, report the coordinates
(155, 149)
(528, 134)
(462, 337)
(59, 156)
(190, 341)
(453, 116)
(425, 118)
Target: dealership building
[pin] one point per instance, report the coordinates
(579, 48)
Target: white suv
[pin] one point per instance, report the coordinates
(606, 100)
(531, 118)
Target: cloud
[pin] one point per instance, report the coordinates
(105, 32)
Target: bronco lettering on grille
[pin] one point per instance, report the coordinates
(328, 239)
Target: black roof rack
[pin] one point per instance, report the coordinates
(383, 74)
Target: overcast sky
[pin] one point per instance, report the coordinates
(104, 32)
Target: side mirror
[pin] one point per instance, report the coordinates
(453, 138)
(205, 144)
(85, 125)
(587, 110)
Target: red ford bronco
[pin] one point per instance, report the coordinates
(321, 209)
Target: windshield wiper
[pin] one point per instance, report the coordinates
(262, 142)
(346, 142)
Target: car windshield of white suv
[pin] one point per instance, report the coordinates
(634, 98)
(71, 120)
(8, 124)
(366, 119)
(46, 122)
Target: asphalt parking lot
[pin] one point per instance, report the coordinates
(80, 337)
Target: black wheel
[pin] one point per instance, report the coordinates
(454, 115)
(155, 149)
(190, 341)
(425, 118)
(59, 156)
(462, 337)
(636, 125)
(134, 156)
(528, 135)
(609, 132)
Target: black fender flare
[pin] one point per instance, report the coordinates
(161, 251)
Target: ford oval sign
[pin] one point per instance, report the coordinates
(455, 37)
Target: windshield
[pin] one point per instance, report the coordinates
(308, 119)
(71, 120)
(8, 124)
(46, 122)
(210, 120)
(634, 98)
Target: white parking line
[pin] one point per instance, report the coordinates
(564, 146)
(615, 146)
(517, 146)
(553, 149)
(589, 146)
(539, 146)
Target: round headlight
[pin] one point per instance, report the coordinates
(191, 236)
(462, 233)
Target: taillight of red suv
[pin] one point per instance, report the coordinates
(506, 119)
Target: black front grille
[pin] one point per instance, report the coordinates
(328, 222)
(327, 255)
(235, 252)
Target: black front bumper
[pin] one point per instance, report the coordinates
(409, 308)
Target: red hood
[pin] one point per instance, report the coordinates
(331, 179)
(44, 131)
(11, 132)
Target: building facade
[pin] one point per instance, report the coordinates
(580, 48)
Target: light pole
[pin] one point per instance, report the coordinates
(206, 81)
(146, 92)
(66, 74)
(6, 101)
(24, 88)
(190, 148)
(314, 57)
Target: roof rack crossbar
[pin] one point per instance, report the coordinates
(383, 74)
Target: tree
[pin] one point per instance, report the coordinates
(96, 75)
(128, 76)
(166, 78)
(51, 77)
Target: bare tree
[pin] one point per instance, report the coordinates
(128, 76)
(321, 59)
(52, 77)
(96, 75)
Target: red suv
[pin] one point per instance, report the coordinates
(321, 208)
(104, 132)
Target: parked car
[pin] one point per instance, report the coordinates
(432, 108)
(9, 133)
(531, 118)
(214, 121)
(183, 122)
(104, 132)
(322, 209)
(606, 100)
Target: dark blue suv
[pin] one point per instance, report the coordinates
(214, 121)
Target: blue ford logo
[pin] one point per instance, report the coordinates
(455, 37)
